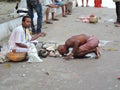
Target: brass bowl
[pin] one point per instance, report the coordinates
(93, 19)
(17, 56)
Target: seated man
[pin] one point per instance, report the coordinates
(50, 7)
(63, 4)
(20, 36)
(81, 44)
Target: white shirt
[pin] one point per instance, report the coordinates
(18, 36)
(47, 2)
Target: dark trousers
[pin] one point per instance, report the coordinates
(118, 11)
(38, 9)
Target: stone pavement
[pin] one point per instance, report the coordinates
(76, 74)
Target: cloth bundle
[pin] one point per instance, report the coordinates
(32, 54)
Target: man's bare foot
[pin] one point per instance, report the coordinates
(82, 5)
(64, 16)
(97, 52)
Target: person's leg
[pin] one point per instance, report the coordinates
(38, 9)
(81, 53)
(97, 52)
(52, 15)
(47, 13)
(118, 11)
(76, 3)
(87, 3)
(31, 14)
(66, 7)
(90, 46)
(63, 11)
(117, 14)
(53, 10)
(70, 6)
(47, 16)
(82, 3)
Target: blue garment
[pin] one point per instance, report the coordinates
(35, 5)
(59, 3)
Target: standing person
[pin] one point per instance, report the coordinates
(81, 45)
(35, 5)
(63, 5)
(86, 3)
(20, 37)
(117, 3)
(50, 8)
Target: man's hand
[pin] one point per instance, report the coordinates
(42, 34)
(69, 57)
(53, 6)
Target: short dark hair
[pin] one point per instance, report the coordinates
(24, 18)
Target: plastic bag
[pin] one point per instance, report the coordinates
(32, 54)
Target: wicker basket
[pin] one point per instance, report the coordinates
(18, 56)
(93, 19)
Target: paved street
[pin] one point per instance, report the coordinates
(76, 74)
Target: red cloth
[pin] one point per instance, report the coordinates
(97, 3)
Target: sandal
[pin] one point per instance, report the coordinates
(64, 16)
(69, 14)
(116, 23)
(82, 5)
(55, 19)
(87, 6)
(48, 22)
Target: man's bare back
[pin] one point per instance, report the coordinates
(81, 39)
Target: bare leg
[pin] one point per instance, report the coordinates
(82, 3)
(97, 52)
(83, 53)
(63, 11)
(66, 8)
(47, 14)
(86, 3)
(52, 15)
(76, 3)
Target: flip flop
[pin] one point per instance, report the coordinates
(87, 6)
(48, 22)
(82, 5)
(69, 14)
(55, 19)
(64, 16)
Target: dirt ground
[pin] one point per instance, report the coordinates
(5, 9)
(76, 74)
